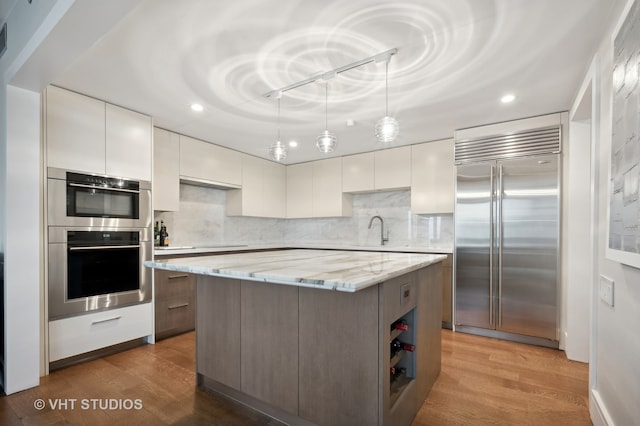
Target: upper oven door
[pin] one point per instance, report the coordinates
(81, 202)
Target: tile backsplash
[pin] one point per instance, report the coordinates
(202, 221)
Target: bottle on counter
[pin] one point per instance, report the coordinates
(156, 235)
(164, 235)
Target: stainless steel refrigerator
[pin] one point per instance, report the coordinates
(507, 251)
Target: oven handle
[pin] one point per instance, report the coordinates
(102, 188)
(103, 247)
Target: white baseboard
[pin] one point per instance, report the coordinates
(597, 409)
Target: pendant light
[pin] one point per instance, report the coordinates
(326, 141)
(387, 128)
(278, 151)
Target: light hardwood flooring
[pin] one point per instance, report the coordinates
(483, 382)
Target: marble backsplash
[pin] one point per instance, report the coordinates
(202, 221)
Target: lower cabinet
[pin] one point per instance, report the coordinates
(85, 333)
(314, 356)
(175, 308)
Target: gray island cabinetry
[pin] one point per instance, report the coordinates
(319, 336)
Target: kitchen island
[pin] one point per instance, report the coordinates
(321, 337)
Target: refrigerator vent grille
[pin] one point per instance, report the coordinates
(531, 142)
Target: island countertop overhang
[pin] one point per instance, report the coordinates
(347, 271)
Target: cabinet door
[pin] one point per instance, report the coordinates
(299, 190)
(328, 198)
(358, 172)
(274, 190)
(166, 170)
(75, 131)
(128, 146)
(433, 177)
(393, 168)
(209, 163)
(269, 343)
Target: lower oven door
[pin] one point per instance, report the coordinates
(84, 278)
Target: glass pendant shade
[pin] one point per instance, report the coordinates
(387, 129)
(278, 151)
(326, 142)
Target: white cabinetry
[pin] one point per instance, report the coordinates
(393, 168)
(328, 198)
(128, 143)
(263, 190)
(205, 163)
(77, 335)
(299, 190)
(166, 170)
(433, 177)
(387, 169)
(358, 172)
(75, 131)
(88, 135)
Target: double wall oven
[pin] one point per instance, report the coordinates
(99, 235)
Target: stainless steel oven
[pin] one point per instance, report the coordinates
(96, 269)
(78, 199)
(99, 235)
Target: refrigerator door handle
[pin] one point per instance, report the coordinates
(500, 242)
(492, 222)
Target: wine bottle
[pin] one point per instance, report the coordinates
(156, 234)
(397, 346)
(401, 324)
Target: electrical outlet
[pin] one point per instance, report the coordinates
(606, 290)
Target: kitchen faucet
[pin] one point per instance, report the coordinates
(383, 239)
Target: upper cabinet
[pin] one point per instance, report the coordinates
(75, 131)
(328, 198)
(387, 169)
(315, 190)
(205, 163)
(88, 135)
(299, 190)
(263, 190)
(128, 143)
(433, 177)
(166, 170)
(393, 168)
(358, 172)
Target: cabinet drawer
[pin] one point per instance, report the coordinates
(85, 333)
(172, 285)
(175, 316)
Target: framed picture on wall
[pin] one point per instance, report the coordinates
(624, 178)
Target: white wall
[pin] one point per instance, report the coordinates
(576, 250)
(22, 239)
(615, 367)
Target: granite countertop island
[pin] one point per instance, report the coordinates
(348, 271)
(271, 334)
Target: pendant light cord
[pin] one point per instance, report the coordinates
(326, 106)
(386, 87)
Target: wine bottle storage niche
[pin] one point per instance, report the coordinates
(402, 363)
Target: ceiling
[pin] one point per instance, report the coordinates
(455, 59)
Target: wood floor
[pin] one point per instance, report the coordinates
(483, 382)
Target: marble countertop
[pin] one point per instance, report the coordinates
(170, 251)
(340, 270)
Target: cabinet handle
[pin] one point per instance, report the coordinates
(106, 320)
(172, 277)
(183, 305)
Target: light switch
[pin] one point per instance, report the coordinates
(606, 290)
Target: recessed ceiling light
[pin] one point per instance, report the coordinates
(508, 98)
(293, 144)
(197, 107)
